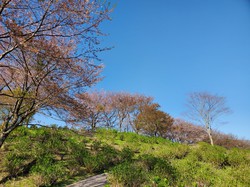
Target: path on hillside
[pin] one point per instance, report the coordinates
(95, 181)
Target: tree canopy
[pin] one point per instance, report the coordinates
(47, 50)
(206, 109)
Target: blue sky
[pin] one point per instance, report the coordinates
(169, 48)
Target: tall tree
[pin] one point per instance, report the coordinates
(153, 121)
(206, 109)
(47, 50)
(127, 106)
(108, 109)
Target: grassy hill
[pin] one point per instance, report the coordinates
(59, 156)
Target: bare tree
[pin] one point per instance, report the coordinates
(108, 109)
(206, 109)
(185, 132)
(47, 50)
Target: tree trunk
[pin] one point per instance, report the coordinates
(210, 136)
(2, 139)
(120, 127)
(155, 133)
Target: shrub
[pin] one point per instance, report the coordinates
(126, 154)
(92, 164)
(215, 155)
(49, 169)
(104, 133)
(190, 173)
(13, 164)
(121, 137)
(73, 168)
(109, 154)
(158, 167)
(159, 182)
(240, 175)
(79, 153)
(104, 159)
(96, 145)
(128, 174)
(237, 157)
(176, 151)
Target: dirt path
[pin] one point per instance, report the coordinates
(95, 181)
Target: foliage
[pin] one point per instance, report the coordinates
(41, 156)
(158, 166)
(153, 121)
(47, 50)
(109, 109)
(128, 174)
(126, 154)
(13, 164)
(212, 154)
(49, 170)
(188, 133)
(144, 171)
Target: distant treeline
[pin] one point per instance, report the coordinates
(140, 114)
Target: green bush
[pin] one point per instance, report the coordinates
(52, 156)
(146, 170)
(159, 182)
(13, 164)
(215, 155)
(190, 173)
(49, 169)
(74, 168)
(105, 158)
(122, 137)
(237, 157)
(110, 155)
(93, 164)
(104, 133)
(176, 151)
(148, 161)
(158, 167)
(128, 174)
(96, 145)
(79, 153)
(240, 175)
(126, 154)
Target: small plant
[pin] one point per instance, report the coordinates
(126, 154)
(121, 137)
(159, 182)
(92, 164)
(96, 145)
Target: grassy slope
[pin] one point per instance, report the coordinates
(67, 157)
(196, 165)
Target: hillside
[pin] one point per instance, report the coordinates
(60, 156)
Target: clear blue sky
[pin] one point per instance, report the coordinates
(169, 48)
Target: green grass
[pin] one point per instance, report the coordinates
(57, 157)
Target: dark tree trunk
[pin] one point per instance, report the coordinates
(2, 139)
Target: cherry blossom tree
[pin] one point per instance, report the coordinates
(47, 53)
